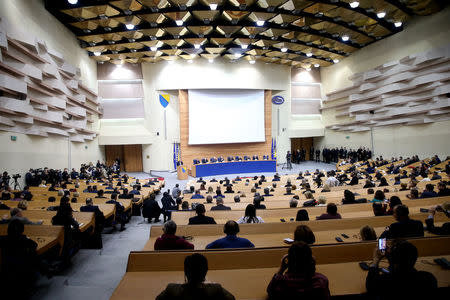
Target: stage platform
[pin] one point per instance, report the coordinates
(234, 167)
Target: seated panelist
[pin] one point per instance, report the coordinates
(204, 160)
(246, 157)
(238, 158)
(230, 158)
(220, 159)
(255, 157)
(213, 159)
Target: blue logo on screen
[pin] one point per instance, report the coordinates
(277, 100)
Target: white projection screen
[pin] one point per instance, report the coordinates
(226, 116)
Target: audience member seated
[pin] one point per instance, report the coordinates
(297, 277)
(321, 201)
(354, 180)
(445, 229)
(197, 195)
(200, 218)
(267, 193)
(428, 192)
(443, 190)
(367, 233)
(331, 213)
(125, 195)
(302, 215)
(383, 182)
(151, 209)
(403, 281)
(393, 202)
(18, 262)
(293, 203)
(219, 205)
(413, 194)
(368, 184)
(229, 190)
(349, 197)
(288, 191)
(378, 209)
(325, 189)
(231, 229)
(404, 227)
(209, 199)
(185, 205)
(16, 214)
(304, 234)
(250, 216)
(195, 269)
(378, 197)
(120, 216)
(170, 241)
(237, 199)
(257, 202)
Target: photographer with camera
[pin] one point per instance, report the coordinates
(288, 160)
(445, 229)
(4, 180)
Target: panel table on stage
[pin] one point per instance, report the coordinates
(234, 167)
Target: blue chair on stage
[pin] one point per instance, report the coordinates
(255, 157)
(204, 160)
(246, 158)
(265, 157)
(230, 158)
(237, 158)
(213, 159)
(220, 159)
(196, 161)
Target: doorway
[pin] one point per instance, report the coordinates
(129, 155)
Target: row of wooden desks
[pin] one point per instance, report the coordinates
(247, 272)
(46, 236)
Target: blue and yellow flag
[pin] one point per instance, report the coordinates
(164, 100)
(183, 169)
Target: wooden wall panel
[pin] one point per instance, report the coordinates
(112, 152)
(299, 143)
(190, 152)
(132, 158)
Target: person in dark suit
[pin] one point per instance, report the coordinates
(403, 281)
(96, 239)
(168, 205)
(429, 192)
(219, 205)
(445, 228)
(405, 227)
(19, 262)
(120, 211)
(151, 209)
(125, 195)
(231, 240)
(354, 180)
(197, 195)
(200, 218)
(195, 269)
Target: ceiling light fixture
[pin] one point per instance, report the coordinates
(284, 49)
(398, 24)
(97, 53)
(213, 6)
(237, 55)
(119, 65)
(210, 60)
(381, 14)
(73, 2)
(309, 54)
(316, 65)
(197, 46)
(335, 61)
(179, 22)
(154, 48)
(308, 69)
(260, 23)
(190, 61)
(354, 4)
(192, 55)
(345, 38)
(252, 62)
(129, 26)
(244, 46)
(170, 62)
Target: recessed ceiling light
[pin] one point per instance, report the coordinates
(211, 60)
(192, 55)
(129, 26)
(381, 14)
(316, 65)
(170, 62)
(72, 1)
(335, 61)
(213, 6)
(284, 49)
(154, 48)
(354, 4)
(260, 23)
(237, 55)
(309, 54)
(345, 38)
(308, 69)
(179, 22)
(197, 46)
(252, 62)
(190, 61)
(398, 24)
(244, 46)
(97, 53)
(119, 65)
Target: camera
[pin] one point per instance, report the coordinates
(15, 176)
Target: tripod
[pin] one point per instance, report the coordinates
(287, 165)
(17, 185)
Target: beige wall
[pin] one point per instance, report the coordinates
(30, 17)
(421, 34)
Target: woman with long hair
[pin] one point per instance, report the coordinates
(250, 216)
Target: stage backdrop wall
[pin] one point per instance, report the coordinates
(190, 152)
